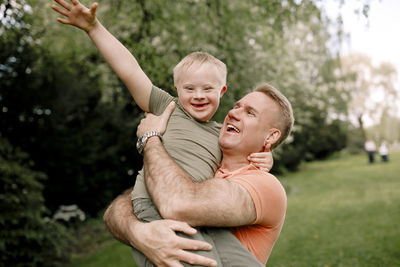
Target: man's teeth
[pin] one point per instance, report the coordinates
(231, 127)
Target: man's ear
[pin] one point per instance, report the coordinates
(272, 137)
(223, 90)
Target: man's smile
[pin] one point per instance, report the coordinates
(232, 128)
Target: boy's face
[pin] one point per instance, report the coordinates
(200, 88)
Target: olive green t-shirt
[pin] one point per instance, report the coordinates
(192, 144)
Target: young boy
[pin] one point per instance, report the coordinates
(190, 138)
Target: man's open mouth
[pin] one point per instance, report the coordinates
(231, 128)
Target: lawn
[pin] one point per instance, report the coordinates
(341, 212)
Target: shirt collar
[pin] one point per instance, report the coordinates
(225, 173)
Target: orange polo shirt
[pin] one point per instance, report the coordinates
(269, 199)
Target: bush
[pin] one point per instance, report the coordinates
(27, 237)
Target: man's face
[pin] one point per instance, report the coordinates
(248, 124)
(199, 90)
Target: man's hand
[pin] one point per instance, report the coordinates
(77, 14)
(155, 123)
(159, 243)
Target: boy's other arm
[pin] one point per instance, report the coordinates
(156, 240)
(115, 54)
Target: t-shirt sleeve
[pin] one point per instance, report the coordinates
(268, 195)
(159, 100)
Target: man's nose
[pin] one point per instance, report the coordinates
(234, 113)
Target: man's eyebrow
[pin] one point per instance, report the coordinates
(252, 109)
(248, 107)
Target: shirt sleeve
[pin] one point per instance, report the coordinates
(268, 195)
(159, 100)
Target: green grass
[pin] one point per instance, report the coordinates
(341, 212)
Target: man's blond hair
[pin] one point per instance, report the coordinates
(199, 58)
(286, 121)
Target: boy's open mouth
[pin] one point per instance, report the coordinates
(200, 105)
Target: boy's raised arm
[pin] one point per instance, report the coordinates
(115, 54)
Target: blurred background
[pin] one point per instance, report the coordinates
(68, 124)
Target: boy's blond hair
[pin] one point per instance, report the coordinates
(286, 121)
(200, 58)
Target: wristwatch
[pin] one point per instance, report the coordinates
(141, 142)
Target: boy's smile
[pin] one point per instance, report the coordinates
(200, 89)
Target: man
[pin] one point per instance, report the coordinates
(240, 195)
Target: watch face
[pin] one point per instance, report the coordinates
(139, 143)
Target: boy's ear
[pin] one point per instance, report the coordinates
(223, 90)
(175, 88)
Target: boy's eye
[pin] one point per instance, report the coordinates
(189, 88)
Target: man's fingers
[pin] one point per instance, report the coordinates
(191, 244)
(181, 227)
(195, 259)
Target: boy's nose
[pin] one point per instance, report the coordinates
(198, 94)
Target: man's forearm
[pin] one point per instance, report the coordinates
(215, 202)
(165, 180)
(119, 219)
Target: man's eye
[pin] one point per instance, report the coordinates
(251, 113)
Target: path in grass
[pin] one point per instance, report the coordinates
(341, 212)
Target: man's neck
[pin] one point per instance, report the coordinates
(232, 162)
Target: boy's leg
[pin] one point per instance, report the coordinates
(146, 211)
(230, 250)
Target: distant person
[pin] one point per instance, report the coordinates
(384, 151)
(370, 148)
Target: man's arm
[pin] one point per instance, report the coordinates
(115, 54)
(156, 240)
(215, 202)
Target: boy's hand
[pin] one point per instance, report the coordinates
(77, 14)
(155, 123)
(263, 160)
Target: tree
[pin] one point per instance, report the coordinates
(27, 238)
(371, 90)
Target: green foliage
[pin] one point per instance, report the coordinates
(83, 142)
(62, 104)
(27, 239)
